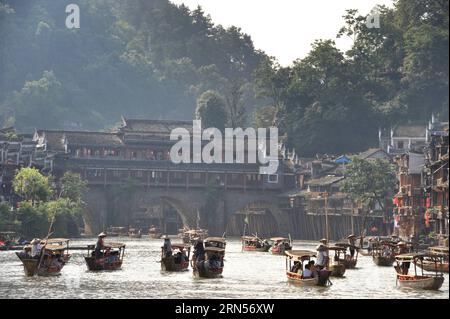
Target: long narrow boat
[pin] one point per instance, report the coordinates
(383, 253)
(212, 266)
(348, 261)
(336, 266)
(54, 255)
(154, 232)
(134, 233)
(428, 263)
(253, 243)
(423, 281)
(218, 242)
(178, 260)
(321, 278)
(191, 236)
(112, 257)
(280, 245)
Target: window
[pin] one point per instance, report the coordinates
(400, 145)
(273, 178)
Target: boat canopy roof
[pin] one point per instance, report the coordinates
(345, 245)
(214, 250)
(114, 245)
(55, 241)
(218, 239)
(299, 254)
(412, 257)
(55, 247)
(279, 238)
(250, 238)
(439, 249)
(181, 246)
(385, 243)
(335, 247)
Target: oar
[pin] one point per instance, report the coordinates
(49, 233)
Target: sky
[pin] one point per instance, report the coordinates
(285, 28)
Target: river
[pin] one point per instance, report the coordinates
(253, 275)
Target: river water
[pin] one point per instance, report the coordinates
(246, 275)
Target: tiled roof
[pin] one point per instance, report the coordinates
(370, 152)
(410, 131)
(324, 181)
(154, 126)
(93, 138)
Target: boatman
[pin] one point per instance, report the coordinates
(99, 246)
(167, 246)
(322, 256)
(351, 242)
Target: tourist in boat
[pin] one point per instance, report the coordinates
(307, 273)
(36, 248)
(312, 267)
(167, 246)
(296, 267)
(99, 246)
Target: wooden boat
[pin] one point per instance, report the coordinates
(112, 257)
(302, 256)
(348, 261)
(192, 235)
(116, 231)
(218, 242)
(134, 233)
(383, 253)
(254, 243)
(429, 265)
(423, 281)
(336, 265)
(280, 245)
(178, 261)
(212, 266)
(54, 255)
(155, 232)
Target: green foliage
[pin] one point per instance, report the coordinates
(38, 208)
(8, 221)
(370, 182)
(34, 220)
(64, 213)
(211, 110)
(125, 53)
(73, 187)
(32, 185)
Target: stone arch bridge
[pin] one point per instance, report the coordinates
(229, 207)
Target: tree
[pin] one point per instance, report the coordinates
(211, 110)
(64, 213)
(370, 182)
(32, 185)
(234, 104)
(73, 187)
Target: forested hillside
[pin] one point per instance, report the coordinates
(147, 59)
(152, 59)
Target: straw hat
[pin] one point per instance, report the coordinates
(323, 240)
(351, 236)
(35, 241)
(102, 234)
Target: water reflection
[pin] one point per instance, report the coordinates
(246, 275)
